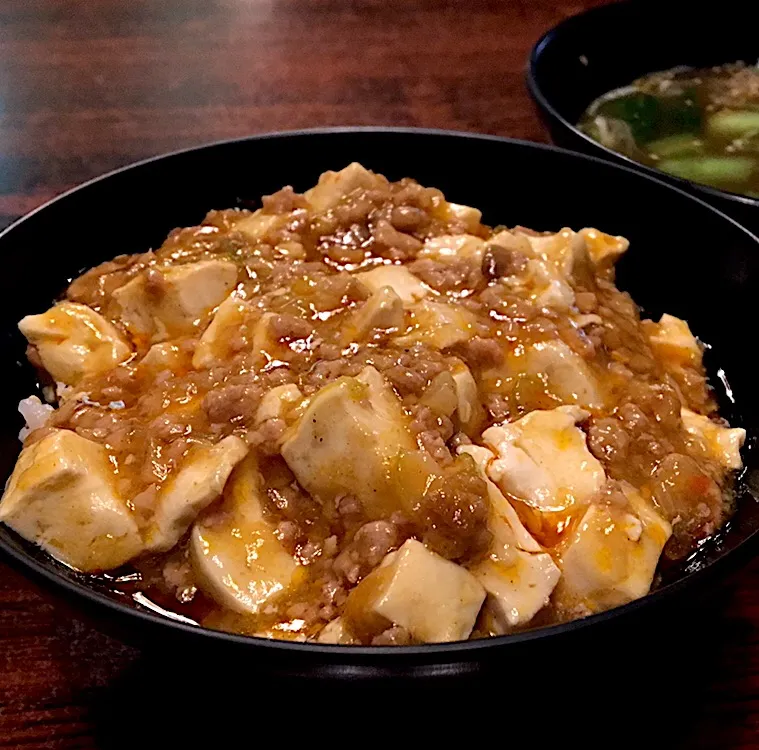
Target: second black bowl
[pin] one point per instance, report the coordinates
(609, 47)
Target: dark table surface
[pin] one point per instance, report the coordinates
(89, 86)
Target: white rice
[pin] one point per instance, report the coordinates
(35, 413)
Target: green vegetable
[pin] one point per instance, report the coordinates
(683, 144)
(733, 123)
(710, 169)
(680, 113)
(640, 111)
(651, 117)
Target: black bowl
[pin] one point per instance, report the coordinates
(686, 258)
(610, 46)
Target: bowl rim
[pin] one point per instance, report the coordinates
(163, 623)
(535, 90)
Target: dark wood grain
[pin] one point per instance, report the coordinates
(89, 86)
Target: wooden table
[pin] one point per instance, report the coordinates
(89, 86)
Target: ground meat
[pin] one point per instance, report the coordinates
(179, 576)
(738, 88)
(325, 372)
(33, 355)
(576, 338)
(289, 327)
(167, 427)
(433, 432)
(267, 437)
(689, 499)
(297, 513)
(144, 503)
(288, 533)
(498, 405)
(482, 353)
(586, 301)
(369, 546)
(155, 283)
(408, 218)
(94, 287)
(392, 244)
(413, 369)
(231, 402)
(498, 261)
(452, 517)
(607, 439)
(447, 276)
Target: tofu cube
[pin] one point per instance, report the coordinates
(213, 346)
(265, 344)
(438, 324)
(334, 186)
(724, 443)
(259, 225)
(499, 505)
(611, 556)
(672, 341)
(543, 459)
(197, 483)
(336, 632)
(454, 247)
(74, 341)
(468, 407)
(62, 496)
(604, 249)
(346, 439)
(165, 356)
(519, 584)
(565, 250)
(467, 216)
(550, 268)
(407, 286)
(236, 555)
(278, 402)
(383, 310)
(566, 375)
(179, 303)
(434, 599)
(518, 575)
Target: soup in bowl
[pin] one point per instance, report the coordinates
(641, 59)
(698, 124)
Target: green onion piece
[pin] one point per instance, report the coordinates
(710, 169)
(683, 144)
(733, 123)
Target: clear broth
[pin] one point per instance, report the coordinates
(698, 124)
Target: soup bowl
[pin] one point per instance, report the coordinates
(608, 47)
(685, 258)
